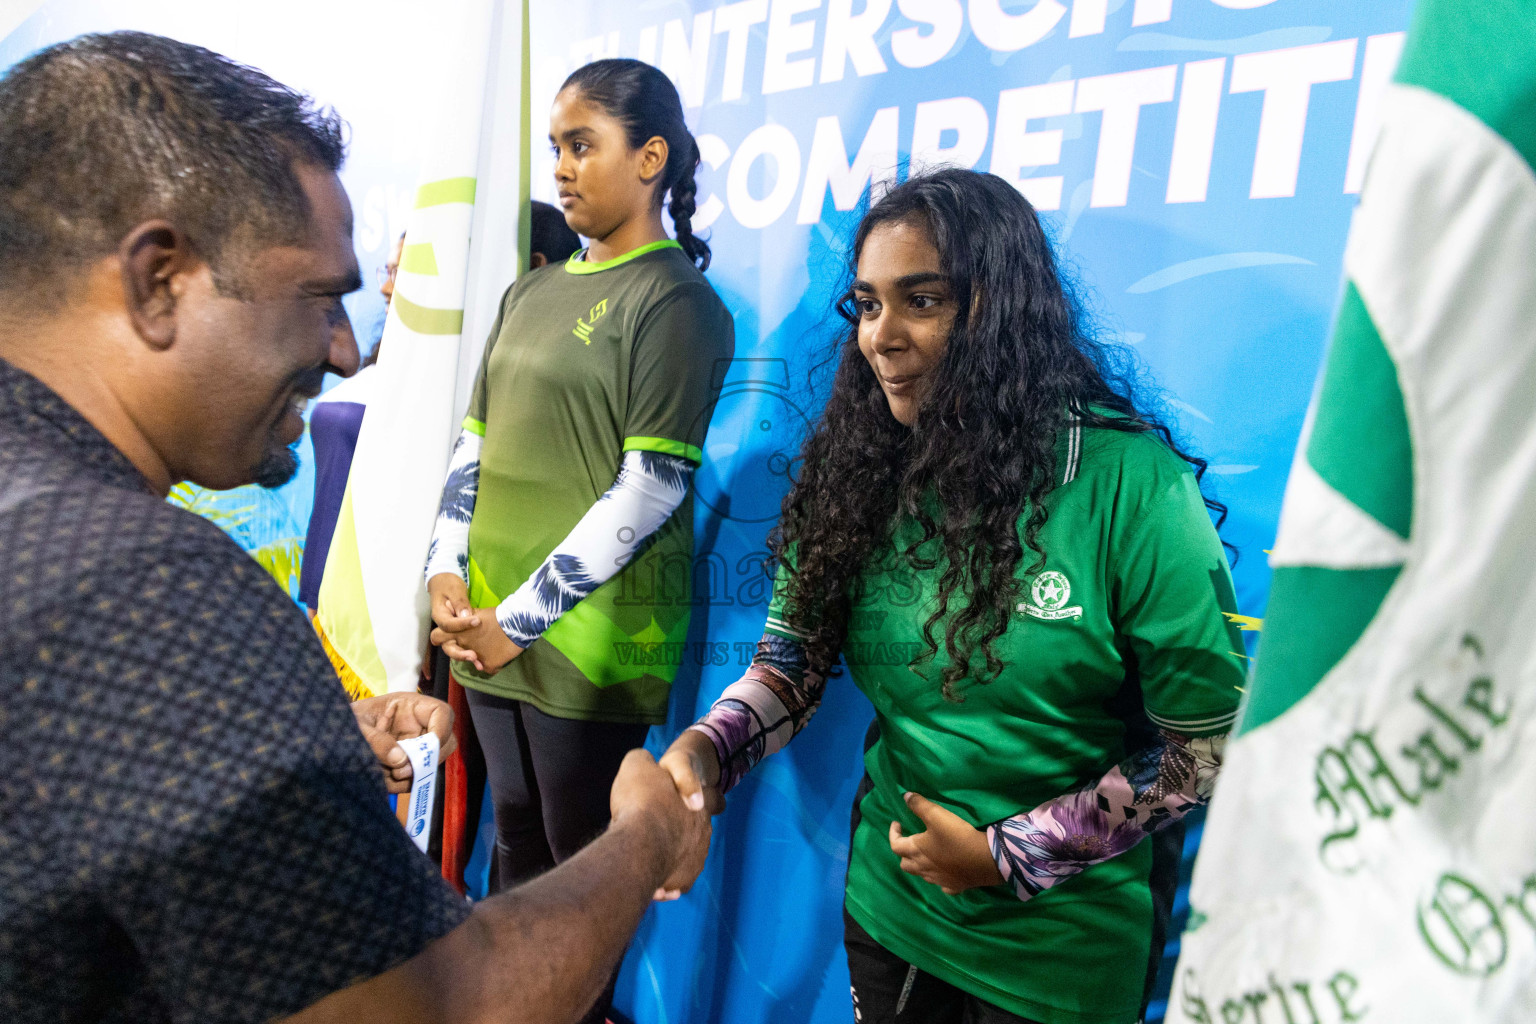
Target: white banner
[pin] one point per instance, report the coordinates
(462, 251)
(1371, 851)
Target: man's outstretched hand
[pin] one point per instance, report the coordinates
(644, 793)
(388, 719)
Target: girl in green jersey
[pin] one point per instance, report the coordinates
(569, 490)
(1018, 567)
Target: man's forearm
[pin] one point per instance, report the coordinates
(553, 943)
(538, 954)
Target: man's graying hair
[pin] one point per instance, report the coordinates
(104, 132)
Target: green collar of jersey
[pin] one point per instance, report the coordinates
(578, 264)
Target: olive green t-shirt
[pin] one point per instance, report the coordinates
(1126, 617)
(585, 362)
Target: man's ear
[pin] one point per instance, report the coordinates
(155, 259)
(537, 260)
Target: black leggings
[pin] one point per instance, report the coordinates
(888, 990)
(549, 780)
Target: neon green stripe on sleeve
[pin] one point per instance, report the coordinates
(665, 446)
(474, 426)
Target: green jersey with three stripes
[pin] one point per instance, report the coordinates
(1125, 619)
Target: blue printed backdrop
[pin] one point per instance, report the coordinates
(1203, 204)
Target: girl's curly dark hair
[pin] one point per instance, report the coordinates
(1019, 361)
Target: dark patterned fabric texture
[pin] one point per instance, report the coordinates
(191, 826)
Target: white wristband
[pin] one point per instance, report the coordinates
(422, 751)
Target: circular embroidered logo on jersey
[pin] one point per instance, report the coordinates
(1051, 590)
(1049, 595)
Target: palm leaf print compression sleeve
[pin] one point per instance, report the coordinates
(450, 536)
(649, 487)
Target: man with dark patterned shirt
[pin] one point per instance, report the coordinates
(192, 824)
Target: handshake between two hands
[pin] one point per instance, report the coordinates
(667, 797)
(670, 794)
(680, 793)
(950, 852)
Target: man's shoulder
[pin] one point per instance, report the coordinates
(82, 513)
(183, 755)
(70, 540)
(133, 606)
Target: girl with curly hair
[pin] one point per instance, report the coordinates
(1017, 565)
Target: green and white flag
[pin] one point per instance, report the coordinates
(462, 250)
(1371, 849)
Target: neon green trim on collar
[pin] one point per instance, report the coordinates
(578, 264)
(474, 426)
(665, 446)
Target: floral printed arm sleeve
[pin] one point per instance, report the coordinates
(649, 488)
(1153, 788)
(764, 709)
(450, 537)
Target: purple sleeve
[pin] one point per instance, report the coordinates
(1148, 791)
(764, 709)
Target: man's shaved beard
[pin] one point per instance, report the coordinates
(278, 466)
(281, 461)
